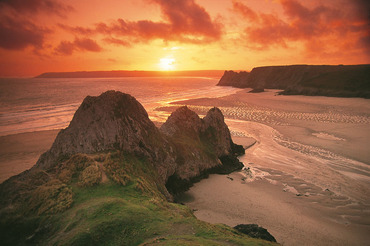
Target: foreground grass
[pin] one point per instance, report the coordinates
(110, 213)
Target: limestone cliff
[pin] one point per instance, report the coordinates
(325, 80)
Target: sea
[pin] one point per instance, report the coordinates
(37, 104)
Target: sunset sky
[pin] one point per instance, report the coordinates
(39, 36)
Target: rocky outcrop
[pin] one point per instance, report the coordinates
(111, 121)
(347, 81)
(185, 147)
(202, 146)
(255, 231)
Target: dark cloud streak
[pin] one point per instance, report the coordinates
(84, 44)
(18, 35)
(36, 6)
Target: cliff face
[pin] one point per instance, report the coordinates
(349, 80)
(231, 78)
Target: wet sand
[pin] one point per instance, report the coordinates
(308, 176)
(20, 152)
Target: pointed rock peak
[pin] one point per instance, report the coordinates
(184, 112)
(113, 120)
(214, 115)
(182, 119)
(215, 112)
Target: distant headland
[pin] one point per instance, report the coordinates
(134, 73)
(311, 80)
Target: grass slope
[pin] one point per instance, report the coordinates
(128, 207)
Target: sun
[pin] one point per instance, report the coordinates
(167, 63)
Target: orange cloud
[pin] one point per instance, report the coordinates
(184, 21)
(320, 28)
(85, 44)
(118, 42)
(17, 26)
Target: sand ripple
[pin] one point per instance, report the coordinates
(276, 117)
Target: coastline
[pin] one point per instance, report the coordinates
(304, 187)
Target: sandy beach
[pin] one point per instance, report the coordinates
(307, 177)
(20, 152)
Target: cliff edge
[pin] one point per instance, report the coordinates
(312, 80)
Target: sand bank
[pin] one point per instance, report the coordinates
(308, 180)
(20, 152)
(291, 219)
(286, 194)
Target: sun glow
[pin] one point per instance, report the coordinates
(167, 63)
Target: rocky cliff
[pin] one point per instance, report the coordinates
(347, 81)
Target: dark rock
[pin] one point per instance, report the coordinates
(202, 146)
(256, 90)
(255, 231)
(236, 79)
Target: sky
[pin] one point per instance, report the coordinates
(38, 36)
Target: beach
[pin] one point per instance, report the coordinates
(306, 177)
(19, 152)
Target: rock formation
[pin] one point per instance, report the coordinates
(202, 146)
(186, 146)
(112, 121)
(346, 81)
(106, 178)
